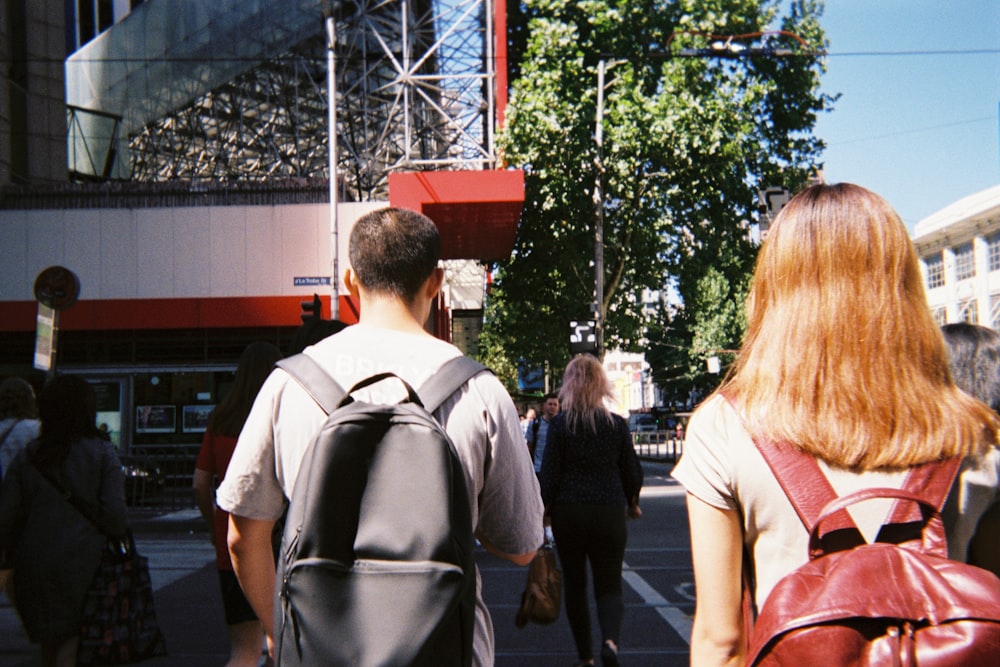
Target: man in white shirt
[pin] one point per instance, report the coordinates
(394, 255)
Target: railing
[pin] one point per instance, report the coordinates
(658, 445)
(161, 475)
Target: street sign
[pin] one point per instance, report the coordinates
(583, 337)
(57, 287)
(46, 327)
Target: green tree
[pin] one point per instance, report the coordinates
(688, 141)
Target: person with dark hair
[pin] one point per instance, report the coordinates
(974, 360)
(246, 634)
(18, 419)
(842, 361)
(311, 332)
(538, 429)
(53, 549)
(590, 479)
(394, 273)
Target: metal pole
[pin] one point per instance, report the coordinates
(331, 86)
(599, 212)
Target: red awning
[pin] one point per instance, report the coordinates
(476, 211)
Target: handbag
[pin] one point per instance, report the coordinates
(119, 618)
(542, 594)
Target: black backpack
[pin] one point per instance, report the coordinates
(376, 560)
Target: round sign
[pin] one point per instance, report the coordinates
(57, 287)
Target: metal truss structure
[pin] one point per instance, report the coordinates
(415, 90)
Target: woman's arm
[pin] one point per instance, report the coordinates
(629, 468)
(718, 635)
(204, 496)
(112, 493)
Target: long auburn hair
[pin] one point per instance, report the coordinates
(842, 356)
(585, 387)
(254, 366)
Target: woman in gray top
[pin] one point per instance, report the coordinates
(18, 419)
(53, 549)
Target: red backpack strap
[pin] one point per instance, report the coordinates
(802, 480)
(804, 483)
(932, 482)
(907, 521)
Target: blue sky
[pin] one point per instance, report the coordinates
(918, 117)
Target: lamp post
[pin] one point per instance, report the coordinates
(720, 46)
(331, 87)
(602, 66)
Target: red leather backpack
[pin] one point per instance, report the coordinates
(897, 601)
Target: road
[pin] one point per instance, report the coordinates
(659, 594)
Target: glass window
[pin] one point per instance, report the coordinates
(965, 262)
(968, 312)
(935, 271)
(994, 252)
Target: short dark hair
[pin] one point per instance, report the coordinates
(394, 250)
(974, 360)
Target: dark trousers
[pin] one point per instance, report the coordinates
(594, 533)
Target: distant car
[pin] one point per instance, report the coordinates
(143, 479)
(642, 423)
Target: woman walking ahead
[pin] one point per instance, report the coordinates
(843, 360)
(54, 550)
(246, 635)
(590, 480)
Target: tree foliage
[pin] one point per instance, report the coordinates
(688, 141)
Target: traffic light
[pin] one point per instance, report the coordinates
(312, 310)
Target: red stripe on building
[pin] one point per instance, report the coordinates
(187, 313)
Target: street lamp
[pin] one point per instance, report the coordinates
(733, 46)
(720, 46)
(331, 88)
(602, 66)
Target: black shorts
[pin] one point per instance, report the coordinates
(238, 609)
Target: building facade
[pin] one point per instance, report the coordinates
(959, 249)
(177, 158)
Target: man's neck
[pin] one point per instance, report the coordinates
(391, 313)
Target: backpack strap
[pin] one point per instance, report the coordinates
(7, 430)
(328, 393)
(317, 382)
(804, 483)
(809, 490)
(931, 481)
(452, 376)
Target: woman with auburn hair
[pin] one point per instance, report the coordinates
(590, 480)
(843, 360)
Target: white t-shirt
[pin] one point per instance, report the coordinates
(481, 420)
(722, 467)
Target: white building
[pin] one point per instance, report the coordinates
(959, 249)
